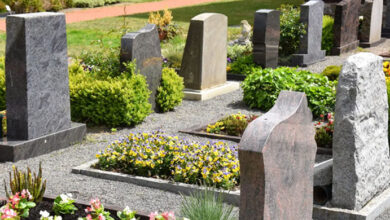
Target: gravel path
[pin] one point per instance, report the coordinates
(57, 165)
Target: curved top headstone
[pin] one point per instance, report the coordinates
(277, 155)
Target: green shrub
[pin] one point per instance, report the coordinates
(242, 65)
(103, 62)
(111, 101)
(262, 87)
(332, 72)
(236, 51)
(25, 6)
(291, 30)
(170, 92)
(173, 51)
(92, 3)
(327, 33)
(324, 131)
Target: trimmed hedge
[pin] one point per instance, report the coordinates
(170, 93)
(111, 101)
(262, 88)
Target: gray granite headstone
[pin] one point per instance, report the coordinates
(371, 27)
(310, 46)
(144, 47)
(386, 22)
(204, 59)
(266, 36)
(346, 25)
(361, 163)
(36, 75)
(277, 153)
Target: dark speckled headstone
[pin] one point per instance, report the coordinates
(386, 21)
(310, 46)
(144, 47)
(346, 26)
(277, 154)
(266, 36)
(371, 27)
(36, 75)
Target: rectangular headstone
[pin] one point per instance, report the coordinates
(37, 78)
(371, 28)
(266, 36)
(386, 22)
(361, 161)
(310, 46)
(346, 25)
(277, 155)
(205, 54)
(144, 47)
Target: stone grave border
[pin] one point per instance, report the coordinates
(231, 197)
(199, 131)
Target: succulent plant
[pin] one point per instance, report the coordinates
(26, 180)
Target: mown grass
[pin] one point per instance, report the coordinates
(90, 35)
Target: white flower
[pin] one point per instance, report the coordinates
(57, 217)
(44, 214)
(127, 211)
(65, 198)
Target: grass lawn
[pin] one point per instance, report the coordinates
(91, 35)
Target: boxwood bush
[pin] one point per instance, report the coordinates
(112, 101)
(170, 92)
(327, 33)
(262, 87)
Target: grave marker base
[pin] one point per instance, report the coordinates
(371, 44)
(14, 150)
(307, 59)
(345, 48)
(370, 211)
(205, 94)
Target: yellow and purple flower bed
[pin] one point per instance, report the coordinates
(163, 156)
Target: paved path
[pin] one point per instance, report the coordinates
(118, 10)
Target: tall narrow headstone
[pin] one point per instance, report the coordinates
(266, 36)
(371, 28)
(144, 47)
(36, 75)
(361, 162)
(277, 154)
(386, 22)
(204, 59)
(346, 25)
(310, 47)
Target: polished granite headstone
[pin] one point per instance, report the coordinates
(310, 46)
(37, 82)
(266, 36)
(204, 59)
(386, 22)
(371, 27)
(346, 25)
(144, 47)
(277, 155)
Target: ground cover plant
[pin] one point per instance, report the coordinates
(159, 155)
(262, 87)
(234, 124)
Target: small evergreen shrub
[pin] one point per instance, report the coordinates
(291, 30)
(327, 33)
(170, 92)
(111, 101)
(332, 72)
(242, 65)
(103, 62)
(262, 88)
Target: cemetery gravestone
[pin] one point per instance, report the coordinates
(361, 163)
(277, 154)
(37, 95)
(204, 59)
(266, 36)
(37, 83)
(346, 26)
(371, 28)
(386, 23)
(144, 47)
(310, 47)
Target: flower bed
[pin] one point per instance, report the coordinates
(159, 155)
